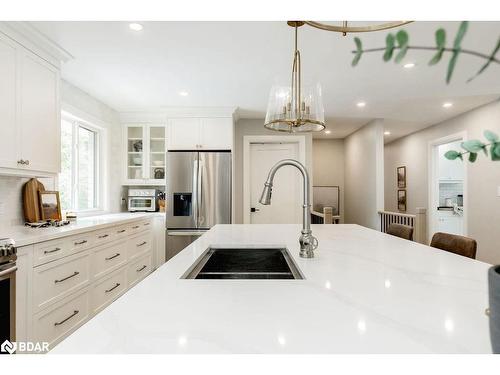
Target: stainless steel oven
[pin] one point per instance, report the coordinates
(142, 200)
(7, 290)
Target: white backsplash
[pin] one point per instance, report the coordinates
(11, 201)
(450, 190)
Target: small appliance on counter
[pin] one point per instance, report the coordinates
(142, 200)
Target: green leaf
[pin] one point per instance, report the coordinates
(440, 44)
(359, 51)
(460, 34)
(490, 136)
(456, 45)
(389, 47)
(452, 155)
(472, 157)
(490, 59)
(495, 152)
(402, 39)
(473, 145)
(440, 38)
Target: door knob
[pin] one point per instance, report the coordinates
(253, 209)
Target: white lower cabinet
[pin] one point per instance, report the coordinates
(108, 289)
(56, 280)
(139, 269)
(55, 323)
(65, 281)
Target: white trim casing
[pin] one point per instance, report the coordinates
(247, 141)
(433, 193)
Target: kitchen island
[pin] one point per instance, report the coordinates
(364, 292)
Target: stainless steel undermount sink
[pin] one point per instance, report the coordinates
(244, 263)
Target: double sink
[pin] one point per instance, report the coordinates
(244, 263)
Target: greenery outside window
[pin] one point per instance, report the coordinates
(79, 184)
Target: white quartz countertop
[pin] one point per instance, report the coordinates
(364, 292)
(23, 235)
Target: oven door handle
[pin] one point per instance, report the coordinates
(11, 269)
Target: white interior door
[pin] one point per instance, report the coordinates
(286, 203)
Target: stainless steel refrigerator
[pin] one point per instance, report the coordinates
(198, 195)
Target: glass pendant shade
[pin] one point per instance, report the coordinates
(295, 108)
(295, 113)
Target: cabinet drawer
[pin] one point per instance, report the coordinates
(139, 269)
(104, 236)
(81, 242)
(139, 244)
(56, 280)
(121, 231)
(108, 258)
(136, 227)
(51, 250)
(108, 289)
(54, 324)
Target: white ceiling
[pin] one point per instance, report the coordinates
(227, 64)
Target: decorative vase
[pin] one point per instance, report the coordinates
(494, 309)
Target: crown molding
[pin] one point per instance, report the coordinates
(160, 115)
(31, 38)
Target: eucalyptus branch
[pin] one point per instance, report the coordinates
(474, 146)
(454, 50)
(400, 43)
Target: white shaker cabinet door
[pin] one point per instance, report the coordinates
(216, 133)
(39, 114)
(183, 134)
(8, 96)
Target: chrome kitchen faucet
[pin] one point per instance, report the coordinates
(308, 243)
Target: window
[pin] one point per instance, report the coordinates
(78, 181)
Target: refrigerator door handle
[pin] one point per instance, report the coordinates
(195, 190)
(199, 192)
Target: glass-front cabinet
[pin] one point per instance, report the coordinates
(145, 159)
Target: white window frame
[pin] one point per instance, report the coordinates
(99, 203)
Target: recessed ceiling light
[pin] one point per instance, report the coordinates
(183, 93)
(447, 105)
(135, 26)
(361, 104)
(387, 133)
(327, 131)
(409, 65)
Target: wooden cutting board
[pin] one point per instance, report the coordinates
(31, 203)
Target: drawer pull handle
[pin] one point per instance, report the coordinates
(142, 268)
(81, 242)
(67, 277)
(104, 236)
(142, 243)
(113, 257)
(52, 251)
(113, 288)
(146, 224)
(135, 227)
(68, 318)
(121, 231)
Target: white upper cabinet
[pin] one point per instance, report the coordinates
(39, 118)
(145, 154)
(29, 112)
(450, 170)
(8, 95)
(200, 134)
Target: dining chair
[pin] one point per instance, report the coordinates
(456, 244)
(400, 230)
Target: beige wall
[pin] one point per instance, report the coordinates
(483, 176)
(245, 127)
(364, 175)
(328, 165)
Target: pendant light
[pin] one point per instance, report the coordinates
(295, 108)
